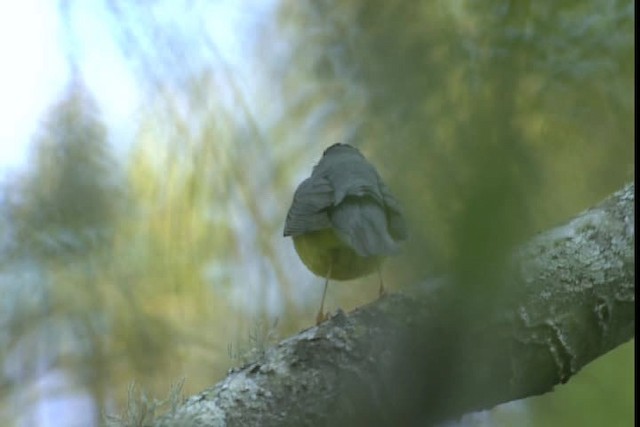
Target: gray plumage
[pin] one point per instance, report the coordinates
(345, 192)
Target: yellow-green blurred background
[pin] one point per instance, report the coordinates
(147, 246)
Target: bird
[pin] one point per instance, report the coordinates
(344, 220)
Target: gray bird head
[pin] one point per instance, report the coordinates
(340, 149)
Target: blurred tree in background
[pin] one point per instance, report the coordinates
(66, 205)
(490, 120)
(62, 215)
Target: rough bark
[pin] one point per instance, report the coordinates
(422, 356)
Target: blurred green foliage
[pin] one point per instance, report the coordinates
(494, 119)
(490, 120)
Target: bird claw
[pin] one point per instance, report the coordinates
(321, 317)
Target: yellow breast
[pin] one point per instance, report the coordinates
(326, 255)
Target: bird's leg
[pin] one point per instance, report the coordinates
(321, 317)
(381, 290)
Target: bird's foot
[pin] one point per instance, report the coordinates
(382, 292)
(321, 317)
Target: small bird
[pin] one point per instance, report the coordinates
(343, 219)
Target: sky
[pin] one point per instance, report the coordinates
(33, 72)
(35, 48)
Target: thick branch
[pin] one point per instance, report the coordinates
(417, 358)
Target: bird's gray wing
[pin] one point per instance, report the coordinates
(353, 176)
(361, 222)
(395, 219)
(364, 214)
(308, 211)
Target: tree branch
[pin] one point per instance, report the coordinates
(425, 355)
